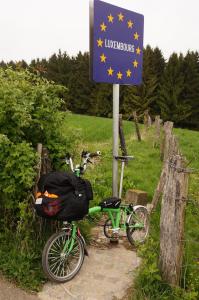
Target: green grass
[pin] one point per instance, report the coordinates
(94, 129)
(143, 173)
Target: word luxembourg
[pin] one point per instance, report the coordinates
(119, 45)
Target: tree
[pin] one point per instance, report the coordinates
(190, 93)
(170, 99)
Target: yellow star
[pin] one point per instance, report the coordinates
(138, 50)
(128, 73)
(103, 27)
(136, 36)
(130, 24)
(103, 58)
(110, 71)
(135, 63)
(110, 18)
(121, 17)
(119, 75)
(100, 43)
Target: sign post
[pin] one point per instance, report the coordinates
(116, 95)
(116, 56)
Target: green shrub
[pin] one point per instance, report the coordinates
(30, 113)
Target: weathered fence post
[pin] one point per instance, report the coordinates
(172, 220)
(172, 148)
(157, 134)
(46, 162)
(39, 151)
(147, 119)
(168, 126)
(136, 126)
(122, 138)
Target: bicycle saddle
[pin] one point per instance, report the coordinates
(112, 202)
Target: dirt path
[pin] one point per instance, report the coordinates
(105, 275)
(8, 291)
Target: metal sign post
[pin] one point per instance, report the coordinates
(115, 138)
(116, 56)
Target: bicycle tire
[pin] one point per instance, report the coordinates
(137, 235)
(56, 265)
(107, 226)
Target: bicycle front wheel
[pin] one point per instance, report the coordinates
(138, 226)
(60, 265)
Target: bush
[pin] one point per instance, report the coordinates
(30, 113)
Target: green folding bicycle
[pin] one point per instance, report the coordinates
(64, 252)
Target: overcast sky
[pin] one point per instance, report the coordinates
(39, 28)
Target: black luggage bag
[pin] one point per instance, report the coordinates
(63, 196)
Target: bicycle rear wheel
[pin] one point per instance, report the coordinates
(138, 226)
(60, 266)
(108, 229)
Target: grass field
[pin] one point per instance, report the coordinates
(143, 173)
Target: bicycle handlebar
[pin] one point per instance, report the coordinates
(86, 154)
(95, 154)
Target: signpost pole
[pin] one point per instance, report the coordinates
(116, 93)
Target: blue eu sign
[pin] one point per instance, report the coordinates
(116, 44)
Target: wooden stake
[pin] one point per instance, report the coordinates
(136, 126)
(172, 221)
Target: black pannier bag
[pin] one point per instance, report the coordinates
(63, 196)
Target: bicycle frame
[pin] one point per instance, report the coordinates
(68, 247)
(115, 215)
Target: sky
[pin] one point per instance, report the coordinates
(32, 29)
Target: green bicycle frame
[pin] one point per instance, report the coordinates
(115, 215)
(68, 247)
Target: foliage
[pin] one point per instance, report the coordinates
(29, 113)
(170, 99)
(170, 88)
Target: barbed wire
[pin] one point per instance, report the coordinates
(180, 169)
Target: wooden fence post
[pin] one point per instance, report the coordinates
(136, 126)
(46, 162)
(157, 134)
(168, 126)
(172, 220)
(147, 119)
(39, 151)
(172, 149)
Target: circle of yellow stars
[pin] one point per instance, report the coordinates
(100, 42)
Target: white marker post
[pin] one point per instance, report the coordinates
(116, 95)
